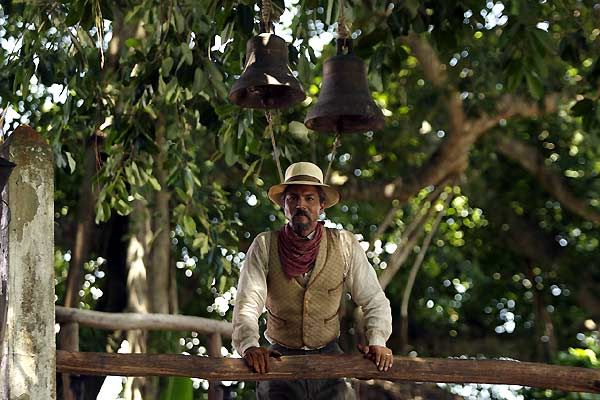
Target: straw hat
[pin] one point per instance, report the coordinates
(304, 173)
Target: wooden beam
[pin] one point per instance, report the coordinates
(130, 321)
(572, 379)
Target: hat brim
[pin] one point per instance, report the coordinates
(332, 197)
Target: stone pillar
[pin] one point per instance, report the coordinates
(28, 349)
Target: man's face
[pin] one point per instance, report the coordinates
(302, 206)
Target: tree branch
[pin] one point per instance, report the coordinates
(510, 106)
(533, 162)
(451, 157)
(412, 276)
(433, 69)
(409, 238)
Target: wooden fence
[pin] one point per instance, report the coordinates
(409, 369)
(216, 368)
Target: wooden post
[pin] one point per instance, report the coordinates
(215, 392)
(28, 363)
(69, 340)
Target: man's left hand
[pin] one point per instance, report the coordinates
(380, 355)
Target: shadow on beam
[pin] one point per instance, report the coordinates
(410, 369)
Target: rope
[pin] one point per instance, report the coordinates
(336, 144)
(342, 29)
(266, 11)
(275, 149)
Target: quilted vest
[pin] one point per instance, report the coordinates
(306, 315)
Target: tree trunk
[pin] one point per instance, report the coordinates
(159, 277)
(161, 283)
(544, 327)
(137, 289)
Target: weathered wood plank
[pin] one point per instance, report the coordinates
(130, 321)
(326, 366)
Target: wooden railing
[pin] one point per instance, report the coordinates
(216, 368)
(215, 330)
(130, 321)
(410, 369)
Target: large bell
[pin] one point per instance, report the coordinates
(345, 104)
(6, 168)
(267, 80)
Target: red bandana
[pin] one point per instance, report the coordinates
(296, 253)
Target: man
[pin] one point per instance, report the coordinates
(299, 274)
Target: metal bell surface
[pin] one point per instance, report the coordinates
(6, 168)
(267, 80)
(345, 104)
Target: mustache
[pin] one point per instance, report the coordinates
(301, 212)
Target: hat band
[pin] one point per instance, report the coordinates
(303, 178)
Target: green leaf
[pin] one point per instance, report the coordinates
(182, 196)
(250, 170)
(179, 20)
(216, 79)
(154, 182)
(71, 161)
(136, 173)
(123, 207)
(178, 388)
(189, 182)
(201, 243)
(222, 279)
(167, 64)
(171, 91)
(100, 216)
(133, 42)
(199, 80)
(515, 75)
(150, 111)
(535, 85)
(187, 56)
(304, 69)
(226, 266)
(299, 131)
(189, 225)
(129, 175)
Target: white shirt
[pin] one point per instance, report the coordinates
(361, 282)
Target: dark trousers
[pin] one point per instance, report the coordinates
(306, 389)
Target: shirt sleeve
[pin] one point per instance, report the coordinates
(364, 287)
(251, 295)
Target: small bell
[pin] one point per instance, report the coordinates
(267, 80)
(6, 168)
(345, 104)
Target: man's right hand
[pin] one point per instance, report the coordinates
(257, 358)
